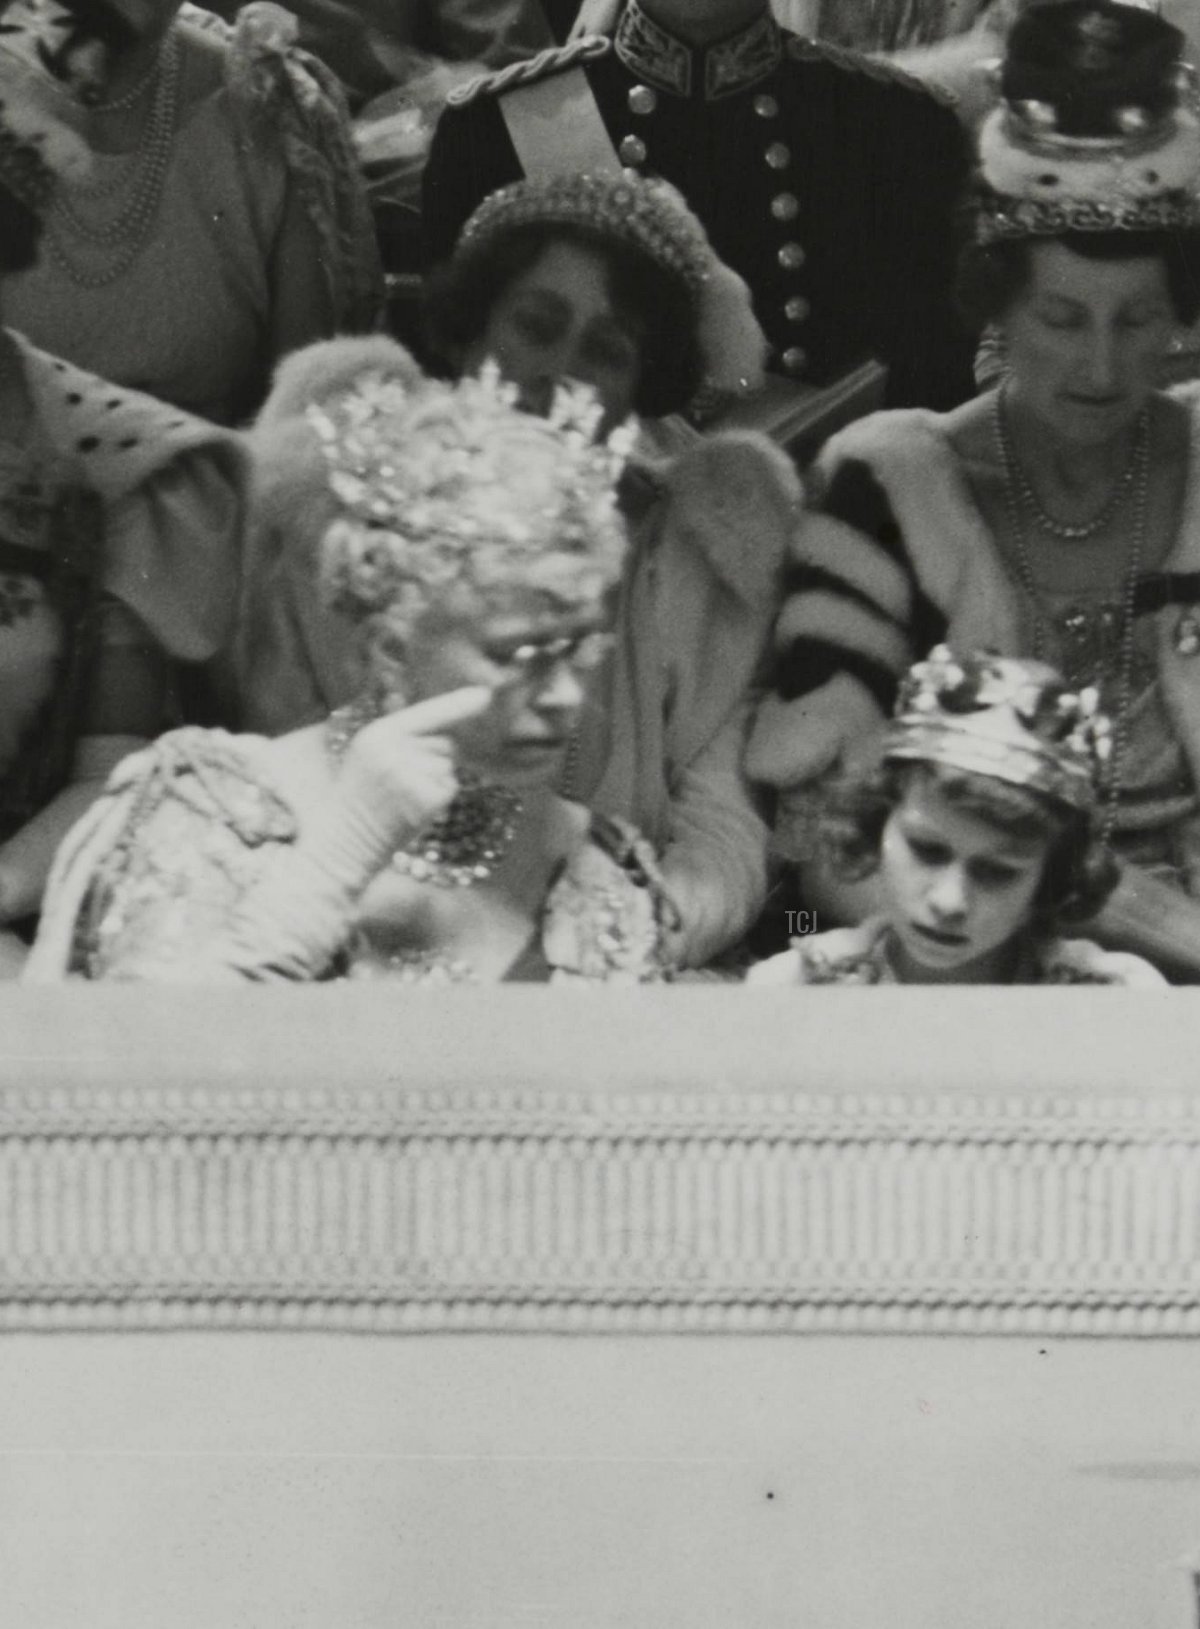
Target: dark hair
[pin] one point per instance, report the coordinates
(1079, 873)
(991, 276)
(20, 233)
(460, 294)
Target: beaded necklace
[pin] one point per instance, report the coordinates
(1016, 488)
(135, 93)
(466, 843)
(1046, 522)
(124, 234)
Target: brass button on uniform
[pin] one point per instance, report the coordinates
(778, 156)
(642, 99)
(785, 206)
(790, 257)
(794, 358)
(766, 107)
(796, 309)
(632, 150)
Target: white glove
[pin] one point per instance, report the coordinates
(397, 776)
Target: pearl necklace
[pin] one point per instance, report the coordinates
(1014, 494)
(126, 231)
(1045, 522)
(135, 93)
(466, 843)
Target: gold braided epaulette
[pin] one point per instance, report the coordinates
(553, 60)
(878, 68)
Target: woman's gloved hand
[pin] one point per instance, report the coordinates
(396, 777)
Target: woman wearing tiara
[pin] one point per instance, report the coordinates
(1058, 516)
(464, 554)
(609, 282)
(120, 519)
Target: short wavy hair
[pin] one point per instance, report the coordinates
(1079, 873)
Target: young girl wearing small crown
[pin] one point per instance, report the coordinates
(982, 826)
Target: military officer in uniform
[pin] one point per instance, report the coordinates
(829, 181)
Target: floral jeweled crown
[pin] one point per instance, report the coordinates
(1094, 131)
(1006, 717)
(442, 486)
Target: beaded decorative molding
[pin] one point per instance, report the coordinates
(229, 1197)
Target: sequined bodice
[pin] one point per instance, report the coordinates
(193, 825)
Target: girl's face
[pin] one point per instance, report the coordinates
(556, 322)
(534, 659)
(958, 891)
(1086, 340)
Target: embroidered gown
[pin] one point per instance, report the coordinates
(211, 859)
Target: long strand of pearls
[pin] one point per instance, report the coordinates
(126, 232)
(1016, 501)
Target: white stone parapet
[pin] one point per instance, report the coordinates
(667, 1161)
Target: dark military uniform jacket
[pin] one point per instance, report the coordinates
(830, 182)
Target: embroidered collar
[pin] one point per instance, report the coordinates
(714, 71)
(864, 955)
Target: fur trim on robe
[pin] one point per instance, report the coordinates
(121, 444)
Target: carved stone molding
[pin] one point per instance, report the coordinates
(325, 1186)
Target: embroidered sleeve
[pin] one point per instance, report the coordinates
(608, 914)
(148, 882)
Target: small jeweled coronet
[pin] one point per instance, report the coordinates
(1007, 717)
(1093, 131)
(649, 216)
(646, 214)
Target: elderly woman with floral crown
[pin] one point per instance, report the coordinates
(609, 282)
(120, 519)
(465, 565)
(1058, 516)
